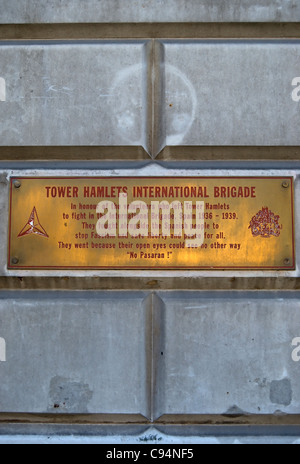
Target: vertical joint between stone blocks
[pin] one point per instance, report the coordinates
(154, 356)
(155, 125)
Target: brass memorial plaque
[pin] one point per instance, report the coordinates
(151, 223)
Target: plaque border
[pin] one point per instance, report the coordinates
(290, 267)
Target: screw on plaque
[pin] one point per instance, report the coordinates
(17, 184)
(14, 260)
(285, 184)
(287, 261)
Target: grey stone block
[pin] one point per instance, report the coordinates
(220, 93)
(55, 11)
(73, 94)
(228, 354)
(74, 353)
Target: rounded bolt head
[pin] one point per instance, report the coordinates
(285, 184)
(14, 260)
(17, 184)
(287, 261)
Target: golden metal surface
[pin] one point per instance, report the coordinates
(248, 223)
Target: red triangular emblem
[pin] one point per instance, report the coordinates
(33, 226)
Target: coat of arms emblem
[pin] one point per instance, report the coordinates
(265, 224)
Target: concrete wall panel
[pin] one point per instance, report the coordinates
(220, 93)
(74, 353)
(228, 354)
(55, 11)
(73, 94)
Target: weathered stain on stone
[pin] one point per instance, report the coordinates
(281, 392)
(262, 383)
(67, 396)
(235, 411)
